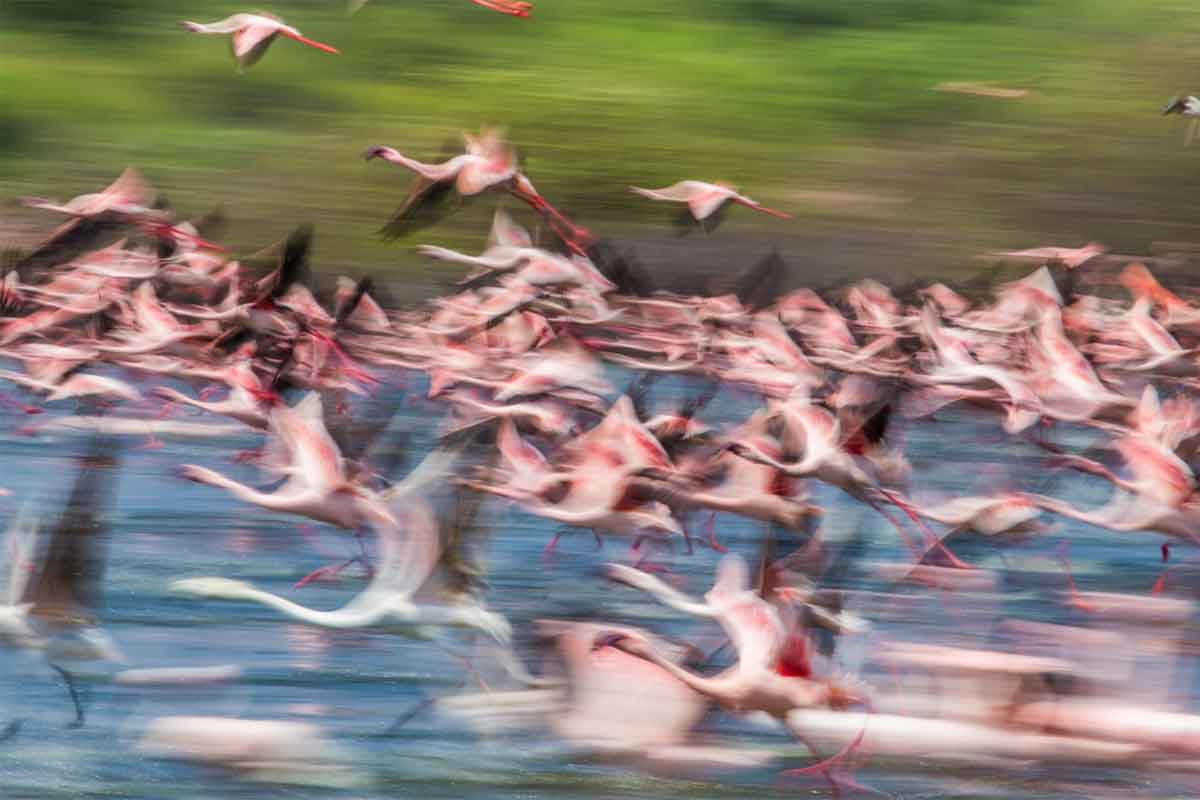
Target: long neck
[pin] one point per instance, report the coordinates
(243, 492)
(709, 687)
(433, 172)
(324, 619)
(664, 593)
(1061, 508)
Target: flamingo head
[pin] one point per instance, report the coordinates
(377, 151)
(193, 27)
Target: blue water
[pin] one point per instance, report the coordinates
(355, 685)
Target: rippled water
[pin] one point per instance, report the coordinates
(355, 685)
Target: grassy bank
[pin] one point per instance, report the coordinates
(824, 108)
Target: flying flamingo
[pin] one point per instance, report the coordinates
(758, 634)
(51, 600)
(489, 161)
(406, 560)
(703, 199)
(1069, 257)
(1188, 106)
(253, 34)
(317, 485)
(514, 8)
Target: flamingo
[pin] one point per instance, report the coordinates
(406, 560)
(317, 486)
(51, 599)
(1069, 257)
(758, 634)
(253, 34)
(514, 8)
(1187, 106)
(703, 199)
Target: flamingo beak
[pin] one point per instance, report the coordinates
(373, 152)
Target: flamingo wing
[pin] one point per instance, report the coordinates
(704, 204)
(250, 43)
(507, 233)
(316, 462)
(19, 546)
(681, 192)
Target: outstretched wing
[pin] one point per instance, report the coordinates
(66, 588)
(251, 42)
(427, 201)
(18, 551)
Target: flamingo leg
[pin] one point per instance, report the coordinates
(1161, 583)
(932, 542)
(1076, 601)
(320, 573)
(403, 719)
(362, 556)
(515, 9)
(71, 690)
(12, 402)
(548, 550)
(153, 442)
(764, 209)
(311, 42)
(912, 548)
(828, 766)
(687, 539)
(712, 535)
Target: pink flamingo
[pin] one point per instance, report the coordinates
(755, 682)
(253, 34)
(703, 199)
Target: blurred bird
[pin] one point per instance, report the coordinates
(253, 34)
(1188, 106)
(514, 8)
(703, 199)
(489, 162)
(54, 610)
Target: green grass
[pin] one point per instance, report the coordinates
(823, 108)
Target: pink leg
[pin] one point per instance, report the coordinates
(1161, 583)
(931, 540)
(516, 9)
(827, 767)
(548, 550)
(323, 573)
(154, 443)
(712, 535)
(12, 402)
(912, 548)
(1076, 601)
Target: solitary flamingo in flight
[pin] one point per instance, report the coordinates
(703, 199)
(253, 34)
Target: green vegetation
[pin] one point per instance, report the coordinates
(821, 107)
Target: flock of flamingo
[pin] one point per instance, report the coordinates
(522, 360)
